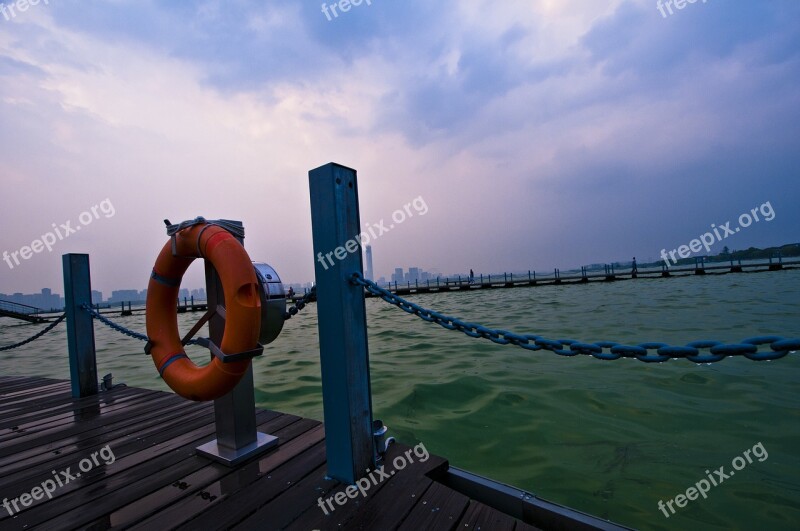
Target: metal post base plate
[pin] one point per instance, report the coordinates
(231, 457)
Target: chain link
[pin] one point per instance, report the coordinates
(602, 350)
(35, 337)
(114, 326)
(308, 297)
(119, 328)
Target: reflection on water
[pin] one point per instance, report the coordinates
(609, 438)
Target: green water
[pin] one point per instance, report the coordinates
(608, 438)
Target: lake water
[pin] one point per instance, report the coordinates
(611, 438)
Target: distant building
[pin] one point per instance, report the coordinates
(123, 295)
(46, 300)
(370, 274)
(414, 274)
(97, 296)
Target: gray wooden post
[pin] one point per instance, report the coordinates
(344, 355)
(80, 325)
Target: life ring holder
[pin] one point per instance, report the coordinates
(217, 242)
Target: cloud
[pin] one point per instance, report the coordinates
(541, 133)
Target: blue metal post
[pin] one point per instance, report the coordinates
(342, 321)
(80, 326)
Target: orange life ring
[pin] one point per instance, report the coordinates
(242, 311)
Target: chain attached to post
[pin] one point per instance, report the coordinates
(308, 297)
(121, 329)
(602, 350)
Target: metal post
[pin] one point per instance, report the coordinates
(342, 321)
(80, 325)
(235, 413)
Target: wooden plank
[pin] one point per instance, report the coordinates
(158, 482)
(439, 508)
(8, 378)
(22, 399)
(22, 383)
(42, 433)
(84, 418)
(359, 508)
(110, 502)
(244, 491)
(479, 516)
(282, 510)
(36, 423)
(54, 415)
(28, 382)
(95, 439)
(26, 406)
(522, 526)
(128, 452)
(147, 461)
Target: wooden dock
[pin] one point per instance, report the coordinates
(157, 482)
(22, 312)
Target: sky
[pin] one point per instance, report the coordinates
(538, 134)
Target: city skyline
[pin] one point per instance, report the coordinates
(398, 274)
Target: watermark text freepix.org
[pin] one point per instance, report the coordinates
(708, 239)
(64, 230)
(370, 234)
(668, 4)
(363, 485)
(702, 487)
(10, 10)
(60, 479)
(343, 6)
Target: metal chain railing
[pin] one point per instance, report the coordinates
(36, 336)
(114, 326)
(603, 350)
(121, 329)
(308, 297)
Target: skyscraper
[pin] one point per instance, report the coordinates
(370, 273)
